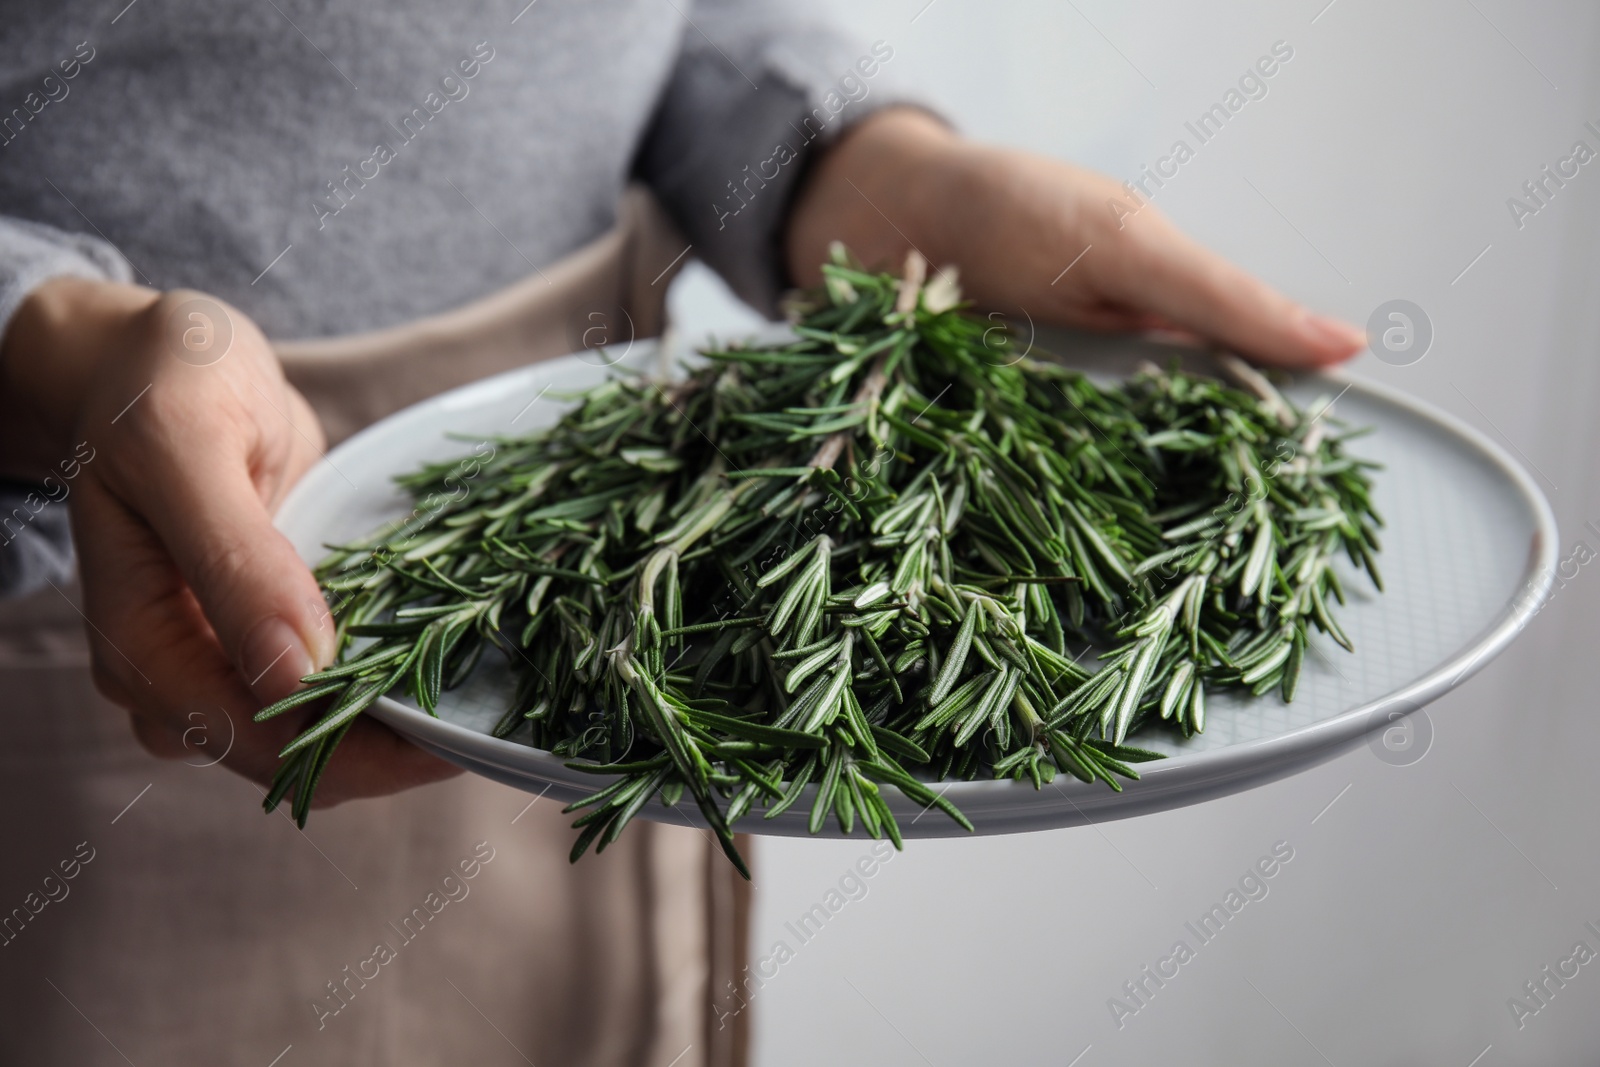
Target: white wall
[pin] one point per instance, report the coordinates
(1410, 914)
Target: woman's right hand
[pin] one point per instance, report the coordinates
(195, 603)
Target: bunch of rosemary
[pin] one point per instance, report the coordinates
(861, 558)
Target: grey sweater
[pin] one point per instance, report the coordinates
(335, 165)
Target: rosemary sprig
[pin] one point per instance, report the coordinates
(871, 556)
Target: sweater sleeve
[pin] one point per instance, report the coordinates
(31, 253)
(757, 90)
(35, 546)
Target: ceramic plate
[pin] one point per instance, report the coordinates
(1469, 555)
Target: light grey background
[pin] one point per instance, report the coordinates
(1377, 167)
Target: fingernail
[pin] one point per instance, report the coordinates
(1331, 333)
(274, 659)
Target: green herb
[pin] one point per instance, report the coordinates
(872, 556)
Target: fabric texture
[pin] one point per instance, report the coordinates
(196, 931)
(31, 253)
(334, 168)
(750, 102)
(35, 544)
(597, 301)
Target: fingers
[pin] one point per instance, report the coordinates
(197, 464)
(155, 655)
(1169, 274)
(306, 448)
(153, 652)
(1105, 318)
(257, 594)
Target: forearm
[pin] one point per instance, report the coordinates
(49, 356)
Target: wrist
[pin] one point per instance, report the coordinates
(879, 190)
(49, 356)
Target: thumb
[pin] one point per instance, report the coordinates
(257, 594)
(1198, 290)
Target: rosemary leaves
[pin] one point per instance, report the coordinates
(872, 556)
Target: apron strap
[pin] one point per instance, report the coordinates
(610, 291)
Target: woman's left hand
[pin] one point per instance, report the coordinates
(1069, 246)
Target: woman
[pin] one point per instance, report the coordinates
(383, 202)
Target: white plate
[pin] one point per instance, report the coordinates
(1469, 555)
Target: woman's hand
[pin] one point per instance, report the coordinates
(195, 603)
(1014, 224)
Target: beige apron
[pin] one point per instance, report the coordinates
(151, 914)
